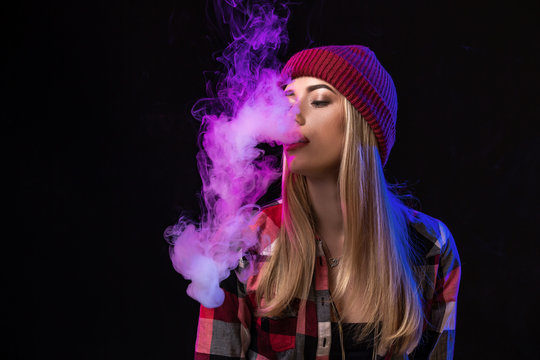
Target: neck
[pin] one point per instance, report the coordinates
(324, 195)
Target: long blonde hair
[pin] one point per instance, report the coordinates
(378, 262)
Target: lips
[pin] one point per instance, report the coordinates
(302, 142)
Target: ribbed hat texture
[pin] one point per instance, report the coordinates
(357, 74)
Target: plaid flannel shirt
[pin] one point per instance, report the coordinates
(232, 331)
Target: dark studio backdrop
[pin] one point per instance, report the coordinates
(98, 132)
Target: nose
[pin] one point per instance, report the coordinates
(300, 120)
(295, 106)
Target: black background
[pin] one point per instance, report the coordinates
(97, 100)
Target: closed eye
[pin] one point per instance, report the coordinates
(318, 104)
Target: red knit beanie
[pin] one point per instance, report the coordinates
(357, 74)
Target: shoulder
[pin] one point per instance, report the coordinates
(431, 234)
(271, 214)
(267, 224)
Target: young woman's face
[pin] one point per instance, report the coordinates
(321, 119)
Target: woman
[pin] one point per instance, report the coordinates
(344, 268)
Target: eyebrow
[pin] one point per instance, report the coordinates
(319, 86)
(315, 87)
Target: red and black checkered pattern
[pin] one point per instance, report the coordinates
(231, 331)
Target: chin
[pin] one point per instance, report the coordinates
(313, 172)
(298, 170)
(307, 172)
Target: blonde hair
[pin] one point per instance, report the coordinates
(378, 261)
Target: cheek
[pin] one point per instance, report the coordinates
(333, 137)
(332, 152)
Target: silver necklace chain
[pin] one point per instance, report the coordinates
(332, 262)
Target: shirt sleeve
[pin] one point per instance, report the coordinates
(440, 331)
(224, 332)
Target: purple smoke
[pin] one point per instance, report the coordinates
(250, 108)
